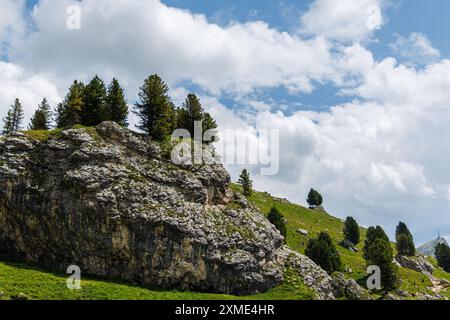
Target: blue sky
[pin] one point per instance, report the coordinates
(368, 131)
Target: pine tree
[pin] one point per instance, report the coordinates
(351, 230)
(93, 111)
(442, 253)
(155, 108)
(68, 112)
(314, 198)
(246, 183)
(8, 123)
(404, 239)
(323, 252)
(378, 251)
(13, 120)
(41, 119)
(276, 218)
(116, 105)
(191, 112)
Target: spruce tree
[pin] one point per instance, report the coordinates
(155, 109)
(276, 218)
(116, 105)
(314, 198)
(404, 240)
(191, 112)
(246, 183)
(351, 230)
(41, 119)
(93, 111)
(378, 251)
(68, 112)
(442, 254)
(324, 253)
(8, 123)
(13, 120)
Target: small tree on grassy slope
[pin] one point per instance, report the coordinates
(442, 253)
(246, 183)
(323, 252)
(351, 230)
(277, 219)
(116, 105)
(404, 240)
(314, 198)
(378, 251)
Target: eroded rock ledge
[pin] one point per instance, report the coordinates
(107, 200)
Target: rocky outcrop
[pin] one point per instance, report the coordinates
(110, 201)
(348, 288)
(417, 263)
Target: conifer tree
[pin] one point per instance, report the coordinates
(93, 111)
(378, 251)
(404, 240)
(68, 112)
(155, 108)
(116, 105)
(442, 253)
(14, 118)
(323, 252)
(314, 198)
(276, 218)
(351, 230)
(191, 112)
(8, 123)
(41, 119)
(246, 183)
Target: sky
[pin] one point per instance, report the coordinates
(358, 89)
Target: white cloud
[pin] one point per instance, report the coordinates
(133, 38)
(12, 22)
(30, 88)
(343, 20)
(416, 49)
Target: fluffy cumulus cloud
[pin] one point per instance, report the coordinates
(132, 38)
(381, 157)
(30, 88)
(344, 20)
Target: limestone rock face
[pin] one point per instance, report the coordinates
(111, 202)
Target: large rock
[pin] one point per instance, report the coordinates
(348, 288)
(110, 201)
(417, 263)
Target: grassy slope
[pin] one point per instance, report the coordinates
(299, 217)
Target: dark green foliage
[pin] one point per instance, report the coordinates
(155, 109)
(116, 105)
(276, 218)
(314, 198)
(442, 253)
(378, 251)
(323, 252)
(13, 120)
(246, 183)
(41, 119)
(404, 239)
(68, 112)
(191, 112)
(351, 230)
(93, 110)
